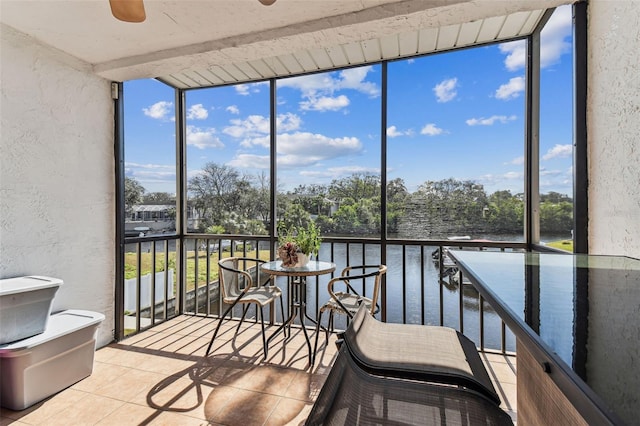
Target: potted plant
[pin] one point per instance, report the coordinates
(296, 244)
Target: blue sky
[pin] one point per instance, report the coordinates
(456, 114)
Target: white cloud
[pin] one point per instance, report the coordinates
(393, 132)
(518, 161)
(490, 121)
(148, 166)
(324, 103)
(151, 175)
(197, 112)
(431, 129)
(250, 161)
(245, 89)
(203, 138)
(327, 83)
(288, 122)
(255, 129)
(242, 89)
(553, 42)
(310, 84)
(251, 141)
(513, 175)
(559, 151)
(233, 109)
(512, 181)
(317, 89)
(303, 148)
(545, 172)
(160, 110)
(511, 90)
(253, 125)
(353, 78)
(446, 90)
(338, 172)
(556, 180)
(516, 52)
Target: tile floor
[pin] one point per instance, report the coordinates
(160, 377)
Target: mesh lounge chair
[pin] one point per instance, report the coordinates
(242, 281)
(352, 396)
(348, 301)
(417, 352)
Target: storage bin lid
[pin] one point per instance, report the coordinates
(30, 283)
(59, 324)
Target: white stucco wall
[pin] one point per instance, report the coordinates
(56, 175)
(613, 119)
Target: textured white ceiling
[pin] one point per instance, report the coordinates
(205, 42)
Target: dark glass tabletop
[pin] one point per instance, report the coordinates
(585, 308)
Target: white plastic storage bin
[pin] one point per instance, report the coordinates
(25, 306)
(35, 368)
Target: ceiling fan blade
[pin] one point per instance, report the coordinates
(128, 10)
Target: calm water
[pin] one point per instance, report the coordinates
(417, 302)
(420, 294)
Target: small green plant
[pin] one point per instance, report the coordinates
(306, 240)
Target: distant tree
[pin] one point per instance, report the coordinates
(345, 219)
(555, 197)
(217, 191)
(325, 224)
(505, 212)
(360, 217)
(396, 191)
(460, 203)
(556, 217)
(133, 193)
(357, 186)
(295, 216)
(158, 198)
(313, 198)
(233, 223)
(261, 197)
(397, 196)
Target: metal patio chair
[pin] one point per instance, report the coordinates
(354, 396)
(417, 352)
(348, 301)
(243, 282)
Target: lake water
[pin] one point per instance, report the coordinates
(417, 303)
(420, 294)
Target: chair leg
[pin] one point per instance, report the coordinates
(315, 346)
(329, 327)
(245, 308)
(264, 336)
(215, 333)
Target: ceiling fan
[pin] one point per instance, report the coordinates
(133, 10)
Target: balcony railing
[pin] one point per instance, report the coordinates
(420, 287)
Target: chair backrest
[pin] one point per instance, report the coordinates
(417, 352)
(237, 273)
(362, 273)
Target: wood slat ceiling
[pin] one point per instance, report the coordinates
(388, 47)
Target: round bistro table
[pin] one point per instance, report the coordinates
(297, 292)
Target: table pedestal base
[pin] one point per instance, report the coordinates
(297, 308)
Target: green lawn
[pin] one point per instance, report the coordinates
(130, 266)
(566, 245)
